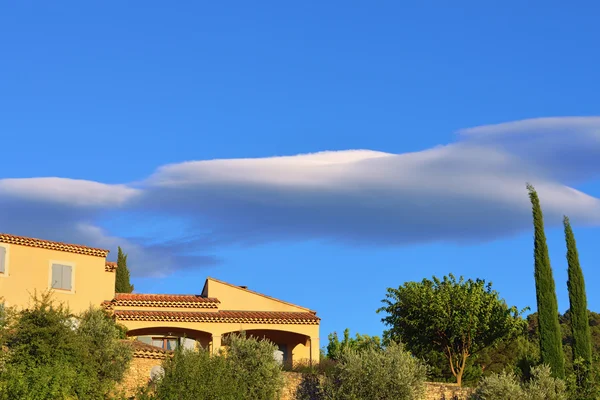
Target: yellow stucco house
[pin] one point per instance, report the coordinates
(81, 277)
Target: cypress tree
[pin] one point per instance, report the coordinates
(547, 305)
(582, 340)
(122, 284)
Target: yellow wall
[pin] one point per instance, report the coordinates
(302, 339)
(307, 350)
(29, 270)
(235, 298)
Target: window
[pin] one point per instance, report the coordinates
(2, 260)
(165, 343)
(62, 277)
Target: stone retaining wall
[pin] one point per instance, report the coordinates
(446, 391)
(139, 374)
(292, 381)
(433, 390)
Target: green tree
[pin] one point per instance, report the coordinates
(107, 357)
(52, 354)
(550, 335)
(370, 373)
(246, 370)
(580, 327)
(335, 347)
(122, 283)
(506, 386)
(457, 318)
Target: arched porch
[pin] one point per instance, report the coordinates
(167, 337)
(295, 347)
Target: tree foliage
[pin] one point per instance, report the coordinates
(335, 347)
(370, 373)
(252, 360)
(582, 376)
(122, 278)
(457, 318)
(580, 328)
(507, 386)
(547, 305)
(52, 354)
(247, 370)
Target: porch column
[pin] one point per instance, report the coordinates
(314, 349)
(216, 343)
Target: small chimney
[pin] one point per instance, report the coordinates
(244, 287)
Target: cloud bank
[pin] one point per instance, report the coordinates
(469, 191)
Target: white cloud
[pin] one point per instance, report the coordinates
(469, 191)
(454, 193)
(65, 191)
(566, 149)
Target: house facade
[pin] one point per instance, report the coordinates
(77, 275)
(80, 277)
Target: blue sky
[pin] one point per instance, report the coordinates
(111, 99)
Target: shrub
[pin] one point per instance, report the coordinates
(310, 387)
(542, 386)
(583, 383)
(246, 371)
(106, 357)
(49, 357)
(258, 374)
(499, 386)
(194, 375)
(324, 366)
(391, 373)
(6, 318)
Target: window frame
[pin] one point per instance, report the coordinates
(6, 248)
(68, 264)
(164, 340)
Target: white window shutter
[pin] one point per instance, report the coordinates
(66, 277)
(56, 276)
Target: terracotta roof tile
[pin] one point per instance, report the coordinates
(164, 300)
(110, 266)
(50, 245)
(255, 317)
(144, 350)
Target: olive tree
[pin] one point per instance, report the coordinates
(52, 354)
(506, 385)
(455, 317)
(335, 347)
(245, 371)
(368, 373)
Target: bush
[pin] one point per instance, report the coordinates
(259, 375)
(370, 373)
(6, 318)
(246, 371)
(542, 386)
(583, 382)
(106, 357)
(51, 357)
(310, 387)
(324, 366)
(193, 375)
(499, 386)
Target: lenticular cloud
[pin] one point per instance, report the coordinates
(468, 191)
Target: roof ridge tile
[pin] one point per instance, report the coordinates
(52, 245)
